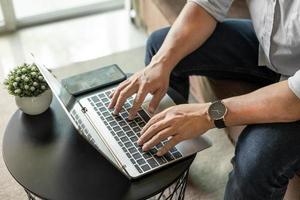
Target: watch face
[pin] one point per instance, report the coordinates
(217, 110)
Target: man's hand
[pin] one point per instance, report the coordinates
(177, 123)
(154, 79)
(191, 29)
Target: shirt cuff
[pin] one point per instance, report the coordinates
(217, 10)
(294, 83)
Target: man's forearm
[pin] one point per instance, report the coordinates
(190, 30)
(273, 103)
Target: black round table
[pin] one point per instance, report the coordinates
(47, 156)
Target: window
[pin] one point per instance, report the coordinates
(36, 7)
(1, 17)
(23, 13)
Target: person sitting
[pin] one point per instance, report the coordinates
(264, 50)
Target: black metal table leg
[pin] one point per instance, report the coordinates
(29, 195)
(175, 191)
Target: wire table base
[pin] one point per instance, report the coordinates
(175, 191)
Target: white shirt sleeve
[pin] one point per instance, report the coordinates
(294, 83)
(217, 8)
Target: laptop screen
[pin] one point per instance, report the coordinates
(62, 94)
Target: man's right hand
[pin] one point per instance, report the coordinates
(190, 30)
(154, 79)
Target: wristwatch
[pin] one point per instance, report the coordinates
(217, 112)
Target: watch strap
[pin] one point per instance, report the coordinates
(219, 123)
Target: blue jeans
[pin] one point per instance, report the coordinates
(266, 155)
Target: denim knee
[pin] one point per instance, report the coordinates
(265, 159)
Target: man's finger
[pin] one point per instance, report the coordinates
(124, 94)
(158, 137)
(171, 143)
(138, 101)
(115, 94)
(153, 130)
(152, 121)
(157, 97)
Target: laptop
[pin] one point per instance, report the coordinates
(115, 137)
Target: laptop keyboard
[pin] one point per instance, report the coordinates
(126, 133)
(84, 130)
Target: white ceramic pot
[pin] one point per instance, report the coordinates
(35, 105)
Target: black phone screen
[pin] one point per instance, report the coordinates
(92, 80)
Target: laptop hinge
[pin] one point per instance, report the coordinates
(124, 169)
(84, 110)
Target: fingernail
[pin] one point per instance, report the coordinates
(158, 153)
(151, 110)
(139, 142)
(144, 147)
(115, 112)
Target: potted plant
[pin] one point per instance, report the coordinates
(32, 93)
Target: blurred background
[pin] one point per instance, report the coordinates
(60, 32)
(67, 36)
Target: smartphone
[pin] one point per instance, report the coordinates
(95, 79)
